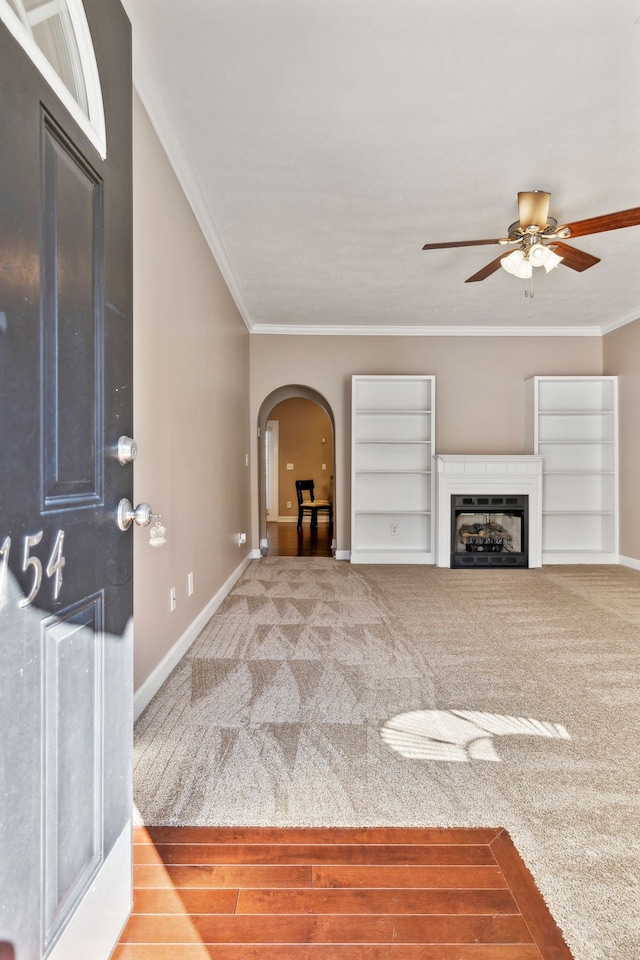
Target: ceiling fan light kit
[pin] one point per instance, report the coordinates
(520, 263)
(542, 255)
(517, 264)
(537, 236)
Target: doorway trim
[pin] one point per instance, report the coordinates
(272, 433)
(288, 392)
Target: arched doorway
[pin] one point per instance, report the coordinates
(320, 462)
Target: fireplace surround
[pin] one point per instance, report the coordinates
(497, 477)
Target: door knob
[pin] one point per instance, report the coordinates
(142, 515)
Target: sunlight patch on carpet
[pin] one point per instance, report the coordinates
(459, 736)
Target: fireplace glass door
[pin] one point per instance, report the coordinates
(489, 531)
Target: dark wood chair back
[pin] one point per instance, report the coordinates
(311, 506)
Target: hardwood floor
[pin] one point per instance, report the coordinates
(243, 893)
(285, 540)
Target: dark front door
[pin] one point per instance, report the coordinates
(65, 567)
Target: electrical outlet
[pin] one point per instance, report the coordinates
(394, 529)
(288, 504)
(172, 599)
(289, 466)
(190, 584)
(324, 466)
(242, 538)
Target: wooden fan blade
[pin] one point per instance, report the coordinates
(576, 259)
(489, 269)
(610, 221)
(457, 243)
(533, 208)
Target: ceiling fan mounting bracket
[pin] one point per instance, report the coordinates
(517, 232)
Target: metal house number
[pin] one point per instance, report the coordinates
(33, 564)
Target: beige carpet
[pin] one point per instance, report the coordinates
(326, 694)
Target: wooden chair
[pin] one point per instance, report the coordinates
(309, 504)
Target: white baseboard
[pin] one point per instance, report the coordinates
(343, 554)
(578, 557)
(630, 562)
(147, 690)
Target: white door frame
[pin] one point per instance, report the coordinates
(272, 449)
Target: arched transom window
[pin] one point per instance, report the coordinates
(55, 34)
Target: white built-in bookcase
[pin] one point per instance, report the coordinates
(572, 423)
(392, 485)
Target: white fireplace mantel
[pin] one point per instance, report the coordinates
(459, 474)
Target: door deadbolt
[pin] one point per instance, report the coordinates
(127, 450)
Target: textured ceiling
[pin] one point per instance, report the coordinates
(322, 144)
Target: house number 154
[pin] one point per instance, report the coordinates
(33, 564)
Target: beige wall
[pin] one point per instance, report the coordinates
(621, 352)
(479, 387)
(305, 438)
(191, 370)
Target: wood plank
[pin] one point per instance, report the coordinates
(251, 951)
(282, 928)
(367, 901)
(154, 928)
(145, 853)
(397, 876)
(333, 835)
(286, 853)
(222, 876)
(154, 900)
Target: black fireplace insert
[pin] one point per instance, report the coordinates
(489, 531)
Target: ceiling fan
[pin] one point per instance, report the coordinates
(538, 239)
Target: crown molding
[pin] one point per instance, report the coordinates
(622, 322)
(405, 331)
